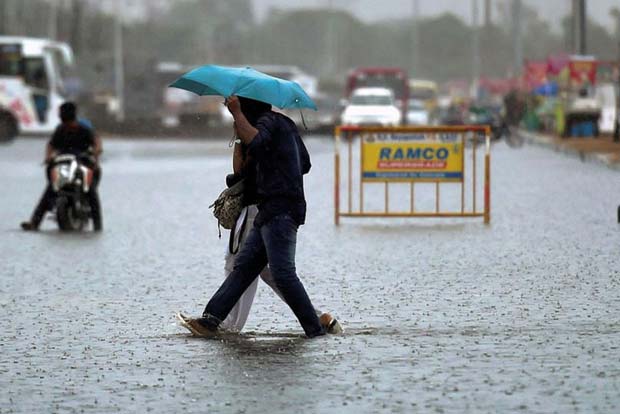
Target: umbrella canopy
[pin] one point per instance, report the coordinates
(247, 82)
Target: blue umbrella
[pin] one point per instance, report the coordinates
(246, 82)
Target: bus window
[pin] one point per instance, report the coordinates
(10, 60)
(35, 74)
(61, 73)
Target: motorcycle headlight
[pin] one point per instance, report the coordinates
(61, 176)
(64, 171)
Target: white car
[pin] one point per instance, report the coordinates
(417, 114)
(371, 106)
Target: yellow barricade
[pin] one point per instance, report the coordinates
(439, 155)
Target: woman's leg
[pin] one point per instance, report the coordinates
(238, 316)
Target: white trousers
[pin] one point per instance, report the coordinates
(236, 319)
(238, 316)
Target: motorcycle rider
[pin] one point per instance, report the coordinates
(70, 137)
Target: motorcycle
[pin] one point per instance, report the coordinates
(492, 118)
(71, 180)
(496, 119)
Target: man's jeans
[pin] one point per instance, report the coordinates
(274, 243)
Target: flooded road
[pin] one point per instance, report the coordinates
(445, 316)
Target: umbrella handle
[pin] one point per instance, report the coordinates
(303, 121)
(234, 140)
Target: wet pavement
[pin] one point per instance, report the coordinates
(445, 316)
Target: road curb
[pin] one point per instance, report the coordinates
(546, 141)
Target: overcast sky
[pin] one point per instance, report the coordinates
(372, 10)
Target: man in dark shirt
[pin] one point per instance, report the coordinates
(281, 159)
(70, 137)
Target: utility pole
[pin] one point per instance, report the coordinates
(582, 27)
(76, 25)
(487, 13)
(579, 26)
(475, 64)
(119, 72)
(10, 17)
(210, 21)
(415, 39)
(3, 18)
(517, 43)
(615, 12)
(573, 26)
(52, 28)
(332, 47)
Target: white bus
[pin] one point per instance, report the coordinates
(31, 86)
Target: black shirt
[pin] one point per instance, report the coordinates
(73, 139)
(248, 172)
(281, 161)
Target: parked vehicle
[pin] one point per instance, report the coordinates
(417, 113)
(321, 121)
(425, 91)
(327, 116)
(450, 115)
(606, 96)
(71, 180)
(371, 106)
(31, 86)
(491, 116)
(394, 79)
(582, 115)
(180, 108)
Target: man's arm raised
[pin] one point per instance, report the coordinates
(245, 131)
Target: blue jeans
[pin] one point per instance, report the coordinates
(274, 243)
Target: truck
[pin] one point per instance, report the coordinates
(31, 84)
(393, 78)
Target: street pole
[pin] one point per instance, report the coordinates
(119, 73)
(209, 32)
(52, 28)
(3, 18)
(517, 44)
(582, 27)
(415, 45)
(76, 24)
(488, 19)
(475, 49)
(331, 40)
(573, 26)
(616, 13)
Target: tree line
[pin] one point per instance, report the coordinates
(325, 43)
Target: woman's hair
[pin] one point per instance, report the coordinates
(253, 109)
